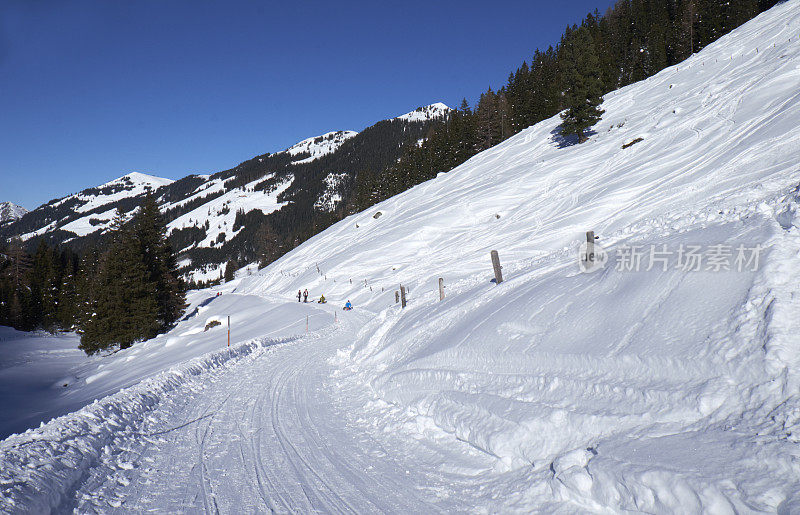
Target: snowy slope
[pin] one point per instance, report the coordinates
(668, 390)
(90, 200)
(429, 112)
(59, 378)
(552, 362)
(319, 146)
(10, 211)
(128, 185)
(220, 212)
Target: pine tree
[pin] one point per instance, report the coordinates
(18, 312)
(267, 244)
(124, 307)
(580, 68)
(230, 269)
(43, 288)
(150, 232)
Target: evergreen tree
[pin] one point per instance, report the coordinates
(124, 307)
(230, 269)
(150, 232)
(43, 289)
(267, 244)
(17, 303)
(580, 68)
(131, 298)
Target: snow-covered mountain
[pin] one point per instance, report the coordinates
(665, 382)
(320, 145)
(430, 112)
(93, 209)
(10, 212)
(213, 218)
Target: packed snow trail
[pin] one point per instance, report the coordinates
(267, 434)
(45, 377)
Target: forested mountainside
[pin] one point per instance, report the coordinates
(632, 41)
(255, 211)
(268, 205)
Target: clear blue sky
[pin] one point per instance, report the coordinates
(92, 90)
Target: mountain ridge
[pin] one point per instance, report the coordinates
(10, 212)
(206, 212)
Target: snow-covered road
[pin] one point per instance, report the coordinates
(272, 432)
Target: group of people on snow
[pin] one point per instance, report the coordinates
(303, 294)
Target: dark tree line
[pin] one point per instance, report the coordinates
(632, 41)
(116, 294)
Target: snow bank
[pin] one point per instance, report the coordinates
(42, 468)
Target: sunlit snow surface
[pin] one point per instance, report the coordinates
(661, 391)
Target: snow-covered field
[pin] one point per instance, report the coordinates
(671, 388)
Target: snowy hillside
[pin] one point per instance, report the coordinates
(429, 112)
(320, 145)
(85, 209)
(10, 211)
(589, 387)
(215, 217)
(665, 382)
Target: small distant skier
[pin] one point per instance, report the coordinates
(322, 299)
(305, 296)
(299, 294)
(348, 306)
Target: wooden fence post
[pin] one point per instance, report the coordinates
(402, 296)
(589, 247)
(396, 296)
(498, 270)
(441, 288)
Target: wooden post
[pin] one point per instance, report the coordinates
(229, 330)
(306, 323)
(498, 270)
(402, 296)
(441, 288)
(396, 296)
(589, 247)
